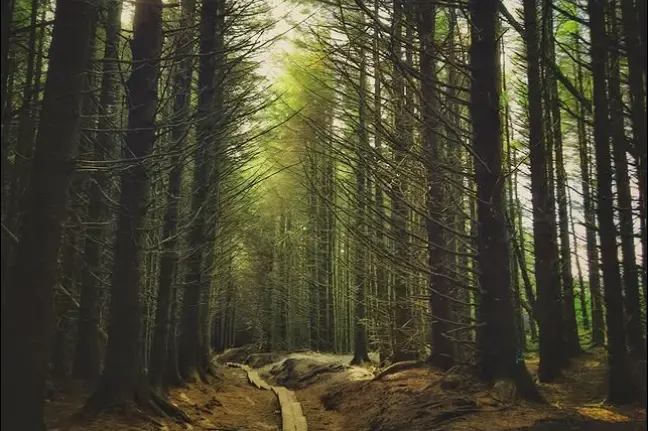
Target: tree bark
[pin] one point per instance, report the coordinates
(29, 294)
(169, 261)
(400, 212)
(589, 210)
(360, 345)
(549, 295)
(88, 357)
(498, 353)
(635, 43)
(633, 319)
(190, 342)
(442, 355)
(621, 386)
(123, 383)
(572, 342)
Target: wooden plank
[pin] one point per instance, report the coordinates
(292, 415)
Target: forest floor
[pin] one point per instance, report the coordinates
(335, 396)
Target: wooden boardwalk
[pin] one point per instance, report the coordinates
(292, 416)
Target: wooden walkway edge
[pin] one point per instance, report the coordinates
(292, 416)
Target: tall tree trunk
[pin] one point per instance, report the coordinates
(635, 43)
(438, 289)
(517, 261)
(216, 170)
(123, 383)
(496, 343)
(549, 295)
(633, 320)
(169, 261)
(360, 345)
(400, 213)
(87, 360)
(29, 293)
(6, 15)
(621, 386)
(382, 273)
(589, 210)
(190, 338)
(570, 330)
(24, 147)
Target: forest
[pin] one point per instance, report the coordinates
(392, 215)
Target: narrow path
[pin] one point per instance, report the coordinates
(292, 416)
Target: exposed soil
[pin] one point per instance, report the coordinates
(229, 404)
(335, 397)
(425, 399)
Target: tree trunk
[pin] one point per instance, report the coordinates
(497, 347)
(190, 342)
(24, 148)
(400, 213)
(589, 210)
(29, 293)
(621, 386)
(438, 288)
(635, 44)
(549, 295)
(572, 342)
(633, 320)
(123, 383)
(6, 15)
(169, 261)
(87, 361)
(382, 274)
(360, 345)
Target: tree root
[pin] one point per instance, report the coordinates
(397, 367)
(142, 402)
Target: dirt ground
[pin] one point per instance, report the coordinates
(338, 397)
(229, 404)
(425, 399)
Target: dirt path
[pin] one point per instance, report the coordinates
(229, 404)
(292, 417)
(335, 397)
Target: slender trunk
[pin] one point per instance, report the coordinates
(516, 262)
(360, 345)
(382, 273)
(24, 148)
(549, 295)
(570, 329)
(633, 319)
(87, 361)
(598, 326)
(400, 214)
(215, 170)
(190, 347)
(438, 289)
(6, 15)
(29, 293)
(621, 387)
(169, 262)
(496, 343)
(635, 43)
(122, 381)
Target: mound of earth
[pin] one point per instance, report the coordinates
(258, 360)
(237, 354)
(298, 373)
